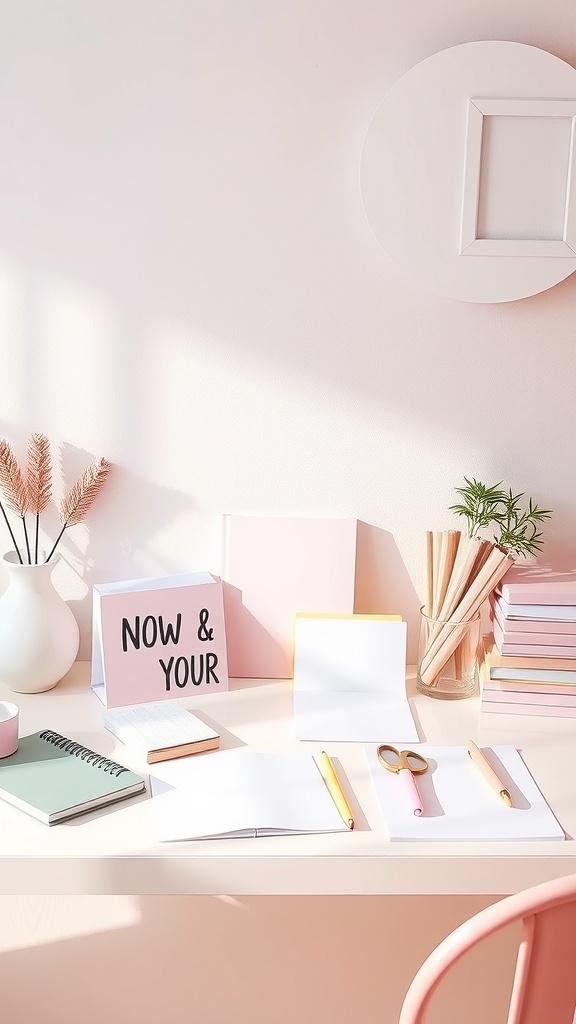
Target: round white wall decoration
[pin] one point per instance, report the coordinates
(468, 171)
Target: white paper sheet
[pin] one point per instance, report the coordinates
(458, 802)
(361, 717)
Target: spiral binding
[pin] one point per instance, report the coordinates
(84, 753)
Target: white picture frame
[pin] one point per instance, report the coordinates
(470, 243)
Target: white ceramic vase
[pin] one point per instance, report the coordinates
(39, 634)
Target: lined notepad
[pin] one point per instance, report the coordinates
(161, 730)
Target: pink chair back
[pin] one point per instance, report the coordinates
(544, 985)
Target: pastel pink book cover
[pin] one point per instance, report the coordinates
(550, 700)
(504, 686)
(535, 645)
(538, 710)
(538, 584)
(564, 627)
(158, 643)
(274, 567)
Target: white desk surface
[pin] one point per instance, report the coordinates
(113, 851)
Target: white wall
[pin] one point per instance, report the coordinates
(189, 287)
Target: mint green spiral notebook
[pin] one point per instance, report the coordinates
(54, 778)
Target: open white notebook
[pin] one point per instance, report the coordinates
(240, 793)
(458, 802)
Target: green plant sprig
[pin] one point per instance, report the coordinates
(480, 504)
(516, 529)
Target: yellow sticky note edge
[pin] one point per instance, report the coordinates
(346, 615)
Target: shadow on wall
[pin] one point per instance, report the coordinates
(184, 197)
(383, 585)
(115, 542)
(225, 209)
(111, 545)
(119, 547)
(187, 195)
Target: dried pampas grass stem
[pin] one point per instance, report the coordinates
(14, 490)
(39, 480)
(79, 500)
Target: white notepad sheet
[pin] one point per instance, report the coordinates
(458, 802)
(350, 679)
(156, 725)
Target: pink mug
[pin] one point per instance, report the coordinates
(8, 728)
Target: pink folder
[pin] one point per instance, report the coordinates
(274, 567)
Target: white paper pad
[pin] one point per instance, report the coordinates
(458, 802)
(156, 725)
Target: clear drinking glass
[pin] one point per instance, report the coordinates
(448, 657)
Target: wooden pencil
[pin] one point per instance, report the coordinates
(429, 573)
(447, 639)
(449, 552)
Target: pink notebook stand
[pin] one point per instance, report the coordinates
(274, 567)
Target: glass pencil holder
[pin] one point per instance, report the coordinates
(448, 657)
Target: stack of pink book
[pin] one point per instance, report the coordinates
(529, 664)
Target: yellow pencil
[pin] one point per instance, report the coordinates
(335, 789)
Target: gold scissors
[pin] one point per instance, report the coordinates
(405, 764)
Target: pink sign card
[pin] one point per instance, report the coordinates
(157, 639)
